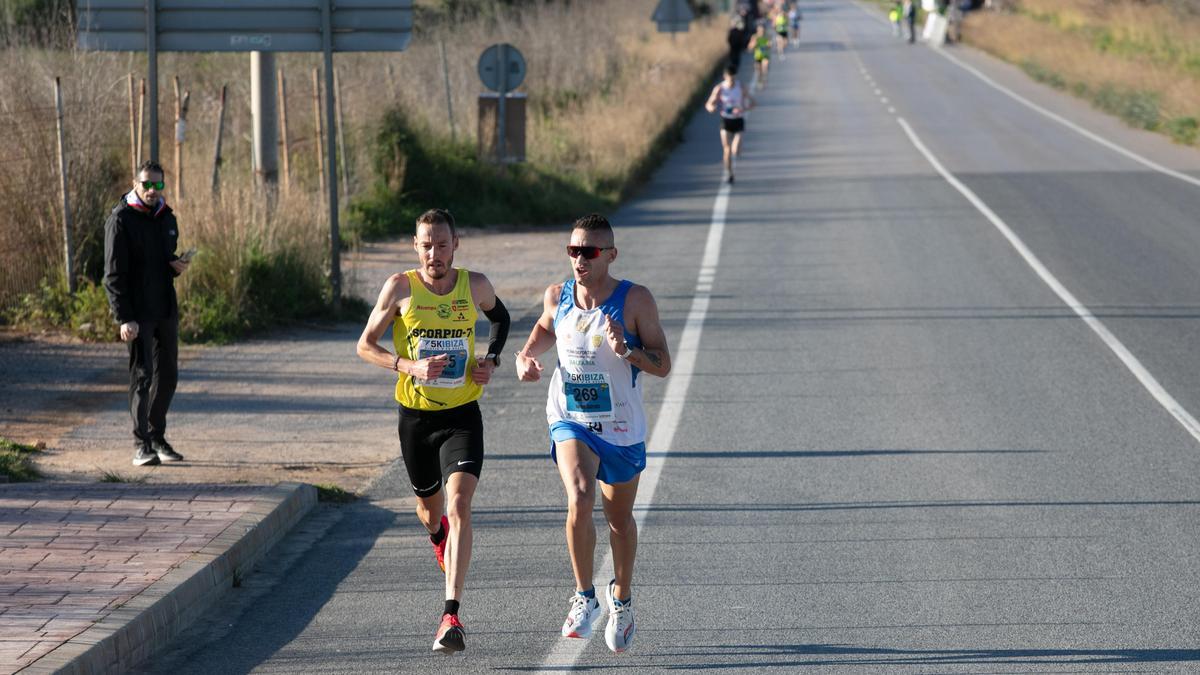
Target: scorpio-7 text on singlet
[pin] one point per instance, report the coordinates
(592, 386)
(438, 324)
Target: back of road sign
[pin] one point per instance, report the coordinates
(261, 25)
(501, 67)
(673, 16)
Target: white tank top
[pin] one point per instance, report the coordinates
(731, 97)
(592, 386)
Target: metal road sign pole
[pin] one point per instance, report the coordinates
(152, 72)
(335, 237)
(265, 112)
(502, 66)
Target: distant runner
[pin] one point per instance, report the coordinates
(781, 33)
(795, 17)
(432, 312)
(608, 334)
(761, 45)
(731, 101)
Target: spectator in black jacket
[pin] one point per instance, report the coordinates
(140, 266)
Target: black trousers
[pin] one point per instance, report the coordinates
(153, 374)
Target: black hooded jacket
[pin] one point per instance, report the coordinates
(138, 250)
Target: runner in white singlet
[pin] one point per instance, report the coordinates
(609, 338)
(730, 100)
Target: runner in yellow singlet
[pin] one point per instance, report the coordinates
(432, 312)
(761, 46)
(781, 32)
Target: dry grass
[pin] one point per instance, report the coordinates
(602, 85)
(31, 234)
(1125, 45)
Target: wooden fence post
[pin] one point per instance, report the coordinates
(181, 111)
(141, 119)
(68, 245)
(285, 145)
(216, 167)
(133, 135)
(319, 128)
(341, 132)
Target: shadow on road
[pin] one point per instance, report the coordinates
(848, 655)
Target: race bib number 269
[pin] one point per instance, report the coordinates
(588, 396)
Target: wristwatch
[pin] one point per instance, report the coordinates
(627, 354)
(494, 358)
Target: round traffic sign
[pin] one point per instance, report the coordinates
(501, 67)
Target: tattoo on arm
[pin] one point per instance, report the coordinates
(653, 358)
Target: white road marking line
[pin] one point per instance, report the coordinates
(1090, 135)
(1071, 125)
(566, 651)
(1131, 362)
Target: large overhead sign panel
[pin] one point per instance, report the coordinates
(245, 25)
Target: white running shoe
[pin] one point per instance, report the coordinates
(618, 635)
(584, 612)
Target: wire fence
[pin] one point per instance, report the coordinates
(99, 148)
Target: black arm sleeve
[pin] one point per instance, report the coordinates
(498, 335)
(116, 269)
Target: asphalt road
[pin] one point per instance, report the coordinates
(899, 449)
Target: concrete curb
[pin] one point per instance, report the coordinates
(133, 632)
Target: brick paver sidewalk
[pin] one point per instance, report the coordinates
(72, 553)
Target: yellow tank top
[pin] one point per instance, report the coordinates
(438, 324)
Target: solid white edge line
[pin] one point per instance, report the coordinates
(566, 651)
(1131, 362)
(1090, 135)
(1071, 125)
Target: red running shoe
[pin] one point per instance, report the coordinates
(439, 550)
(450, 635)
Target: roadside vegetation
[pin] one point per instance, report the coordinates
(606, 99)
(328, 492)
(1136, 59)
(16, 462)
(118, 477)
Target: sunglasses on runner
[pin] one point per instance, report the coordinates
(588, 252)
(156, 184)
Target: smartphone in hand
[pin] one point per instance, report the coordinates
(188, 254)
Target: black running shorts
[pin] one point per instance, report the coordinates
(734, 125)
(437, 443)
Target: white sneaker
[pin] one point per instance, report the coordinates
(584, 612)
(618, 635)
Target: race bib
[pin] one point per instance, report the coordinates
(455, 373)
(588, 396)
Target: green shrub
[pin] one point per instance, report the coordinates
(418, 170)
(265, 290)
(328, 492)
(1042, 74)
(91, 318)
(210, 316)
(1137, 108)
(86, 313)
(48, 306)
(1183, 129)
(16, 462)
(281, 286)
